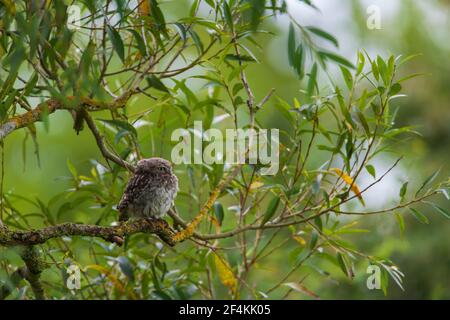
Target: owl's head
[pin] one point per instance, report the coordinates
(154, 165)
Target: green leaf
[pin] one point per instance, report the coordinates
(271, 209)
(197, 41)
(347, 77)
(116, 41)
(361, 63)
(16, 57)
(441, 210)
(371, 170)
(139, 42)
(158, 17)
(121, 125)
(312, 80)
(162, 295)
(126, 267)
(318, 222)
(30, 85)
(72, 169)
(181, 30)
(419, 216)
(336, 58)
(362, 119)
(314, 238)
(218, 211)
(235, 57)
(156, 83)
(401, 223)
(383, 70)
(403, 190)
(342, 264)
(323, 34)
(284, 108)
(428, 180)
(291, 45)
(396, 88)
(256, 12)
(375, 71)
(227, 15)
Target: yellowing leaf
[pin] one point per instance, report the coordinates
(117, 283)
(255, 185)
(144, 8)
(301, 288)
(10, 6)
(215, 222)
(348, 180)
(114, 280)
(300, 240)
(226, 275)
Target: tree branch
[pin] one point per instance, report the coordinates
(53, 104)
(108, 155)
(112, 234)
(32, 273)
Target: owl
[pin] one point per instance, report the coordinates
(150, 192)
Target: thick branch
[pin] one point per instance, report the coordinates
(113, 234)
(32, 273)
(54, 104)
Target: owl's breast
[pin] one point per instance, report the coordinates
(156, 197)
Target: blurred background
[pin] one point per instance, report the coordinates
(407, 27)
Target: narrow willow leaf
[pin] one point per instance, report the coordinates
(348, 78)
(403, 190)
(116, 41)
(323, 34)
(441, 210)
(419, 216)
(348, 180)
(156, 83)
(218, 211)
(225, 273)
(336, 58)
(301, 288)
(401, 223)
(227, 15)
(291, 45)
(121, 125)
(342, 264)
(312, 80)
(361, 63)
(140, 44)
(362, 119)
(314, 238)
(126, 267)
(318, 222)
(412, 76)
(428, 180)
(271, 209)
(236, 57)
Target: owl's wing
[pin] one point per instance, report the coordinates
(131, 193)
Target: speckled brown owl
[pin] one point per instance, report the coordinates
(150, 192)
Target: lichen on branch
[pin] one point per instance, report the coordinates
(114, 234)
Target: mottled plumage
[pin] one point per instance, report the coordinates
(150, 192)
